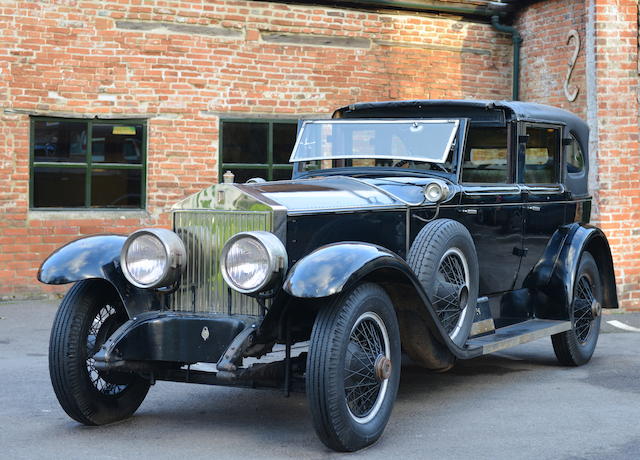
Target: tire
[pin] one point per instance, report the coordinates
(354, 357)
(89, 313)
(576, 346)
(444, 259)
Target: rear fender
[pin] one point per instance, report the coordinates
(553, 277)
(96, 257)
(335, 268)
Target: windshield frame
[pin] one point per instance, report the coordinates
(362, 121)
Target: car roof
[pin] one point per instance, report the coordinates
(482, 110)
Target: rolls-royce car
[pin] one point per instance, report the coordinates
(437, 230)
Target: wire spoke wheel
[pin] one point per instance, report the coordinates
(583, 309)
(353, 367)
(576, 346)
(443, 258)
(102, 326)
(451, 295)
(367, 367)
(89, 314)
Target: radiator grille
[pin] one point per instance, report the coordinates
(204, 233)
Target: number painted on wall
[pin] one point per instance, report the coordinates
(572, 94)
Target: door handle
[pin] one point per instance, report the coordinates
(469, 211)
(534, 208)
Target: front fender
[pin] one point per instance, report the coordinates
(554, 274)
(334, 268)
(96, 257)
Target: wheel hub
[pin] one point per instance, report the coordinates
(596, 308)
(382, 368)
(463, 297)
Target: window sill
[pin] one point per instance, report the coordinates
(87, 214)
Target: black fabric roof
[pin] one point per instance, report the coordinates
(515, 110)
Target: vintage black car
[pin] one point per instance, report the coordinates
(442, 229)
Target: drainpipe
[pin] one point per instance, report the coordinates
(517, 43)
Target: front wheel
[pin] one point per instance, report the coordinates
(90, 312)
(353, 368)
(576, 346)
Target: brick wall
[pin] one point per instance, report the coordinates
(616, 114)
(183, 64)
(606, 72)
(545, 28)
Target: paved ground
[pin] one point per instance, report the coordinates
(515, 404)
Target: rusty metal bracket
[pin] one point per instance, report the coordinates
(232, 358)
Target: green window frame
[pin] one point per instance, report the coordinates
(88, 164)
(268, 167)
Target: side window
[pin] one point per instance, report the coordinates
(485, 156)
(574, 158)
(541, 156)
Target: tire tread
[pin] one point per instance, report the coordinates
(67, 380)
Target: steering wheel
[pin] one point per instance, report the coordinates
(404, 164)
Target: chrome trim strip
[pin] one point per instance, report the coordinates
(555, 189)
(508, 189)
(305, 212)
(520, 203)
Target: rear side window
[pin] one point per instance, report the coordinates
(485, 156)
(541, 155)
(574, 157)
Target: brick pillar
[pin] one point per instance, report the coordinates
(613, 113)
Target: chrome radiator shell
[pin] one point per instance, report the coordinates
(205, 222)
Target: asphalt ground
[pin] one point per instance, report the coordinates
(516, 404)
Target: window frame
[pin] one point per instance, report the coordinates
(559, 160)
(88, 165)
(511, 161)
(574, 140)
(270, 165)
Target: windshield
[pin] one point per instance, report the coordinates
(325, 144)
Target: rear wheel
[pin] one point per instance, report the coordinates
(353, 368)
(576, 346)
(90, 313)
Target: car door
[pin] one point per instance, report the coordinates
(539, 174)
(491, 206)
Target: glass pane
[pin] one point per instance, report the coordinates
(64, 141)
(244, 142)
(282, 174)
(540, 156)
(485, 157)
(574, 157)
(58, 187)
(413, 140)
(116, 143)
(116, 188)
(284, 138)
(243, 175)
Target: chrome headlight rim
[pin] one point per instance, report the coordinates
(277, 257)
(175, 255)
(443, 191)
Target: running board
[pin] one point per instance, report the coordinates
(516, 334)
